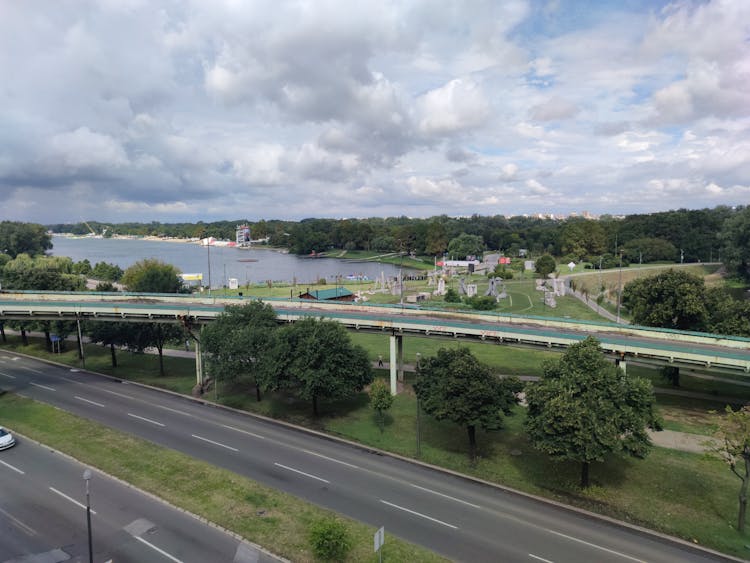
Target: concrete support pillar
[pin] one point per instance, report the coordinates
(400, 357)
(198, 362)
(622, 364)
(392, 364)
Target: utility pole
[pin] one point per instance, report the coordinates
(208, 252)
(619, 291)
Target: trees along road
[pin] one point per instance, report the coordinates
(456, 517)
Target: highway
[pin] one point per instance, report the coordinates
(458, 518)
(43, 518)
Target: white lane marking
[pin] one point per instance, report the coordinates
(12, 467)
(88, 401)
(330, 459)
(215, 443)
(539, 558)
(118, 394)
(445, 496)
(29, 530)
(152, 546)
(74, 501)
(419, 514)
(42, 386)
(301, 472)
(8, 375)
(172, 410)
(613, 552)
(34, 370)
(244, 431)
(143, 418)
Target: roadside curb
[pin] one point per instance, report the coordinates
(662, 537)
(157, 498)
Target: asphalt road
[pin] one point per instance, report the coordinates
(43, 518)
(455, 517)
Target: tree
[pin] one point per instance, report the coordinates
(23, 238)
(110, 334)
(43, 273)
(466, 245)
(237, 343)
(671, 299)
(152, 276)
(727, 315)
(545, 265)
(455, 386)
(381, 399)
(735, 238)
(107, 272)
(733, 446)
(584, 408)
(316, 358)
(649, 249)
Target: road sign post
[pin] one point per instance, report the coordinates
(379, 540)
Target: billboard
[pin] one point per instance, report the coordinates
(191, 277)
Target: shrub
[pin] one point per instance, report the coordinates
(482, 302)
(452, 296)
(329, 539)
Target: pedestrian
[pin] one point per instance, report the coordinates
(187, 345)
(380, 361)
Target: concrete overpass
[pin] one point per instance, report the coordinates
(660, 346)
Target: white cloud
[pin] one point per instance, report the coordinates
(458, 105)
(202, 110)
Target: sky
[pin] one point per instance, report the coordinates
(160, 110)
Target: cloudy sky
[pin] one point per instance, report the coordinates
(122, 110)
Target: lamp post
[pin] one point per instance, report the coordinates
(619, 290)
(87, 479)
(208, 252)
(419, 426)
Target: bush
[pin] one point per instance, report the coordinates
(482, 302)
(329, 539)
(452, 296)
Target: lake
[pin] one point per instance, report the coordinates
(247, 266)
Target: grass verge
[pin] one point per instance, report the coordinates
(258, 513)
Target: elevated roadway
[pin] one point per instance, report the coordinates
(662, 346)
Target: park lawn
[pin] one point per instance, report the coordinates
(219, 495)
(694, 416)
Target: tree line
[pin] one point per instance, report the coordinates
(703, 235)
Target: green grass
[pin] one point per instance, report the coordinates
(217, 494)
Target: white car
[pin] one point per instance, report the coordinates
(6, 439)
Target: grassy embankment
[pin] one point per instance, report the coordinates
(687, 495)
(278, 521)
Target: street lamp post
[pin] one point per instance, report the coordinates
(87, 479)
(619, 291)
(208, 252)
(419, 425)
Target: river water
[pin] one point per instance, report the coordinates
(247, 266)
